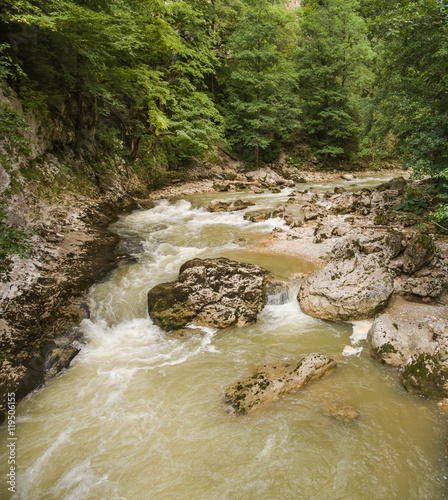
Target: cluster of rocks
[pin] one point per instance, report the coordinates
(358, 282)
(220, 293)
(419, 348)
(254, 180)
(368, 261)
(228, 206)
(364, 270)
(379, 203)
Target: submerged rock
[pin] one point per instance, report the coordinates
(393, 341)
(349, 287)
(267, 382)
(216, 293)
(340, 411)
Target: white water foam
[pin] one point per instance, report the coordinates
(360, 331)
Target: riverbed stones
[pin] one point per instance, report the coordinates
(350, 287)
(267, 177)
(215, 293)
(347, 177)
(312, 211)
(393, 341)
(258, 215)
(267, 382)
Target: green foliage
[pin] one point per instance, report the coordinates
(12, 242)
(118, 70)
(195, 124)
(412, 102)
(168, 81)
(260, 104)
(415, 205)
(12, 127)
(332, 64)
(440, 216)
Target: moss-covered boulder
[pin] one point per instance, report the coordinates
(419, 252)
(216, 293)
(267, 382)
(427, 375)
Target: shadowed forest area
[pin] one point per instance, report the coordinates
(160, 83)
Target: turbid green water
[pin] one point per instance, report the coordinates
(139, 415)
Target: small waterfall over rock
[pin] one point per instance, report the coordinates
(276, 292)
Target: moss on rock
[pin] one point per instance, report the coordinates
(427, 375)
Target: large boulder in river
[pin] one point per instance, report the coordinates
(216, 293)
(228, 206)
(394, 341)
(267, 382)
(427, 375)
(350, 287)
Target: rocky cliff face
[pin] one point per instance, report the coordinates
(65, 201)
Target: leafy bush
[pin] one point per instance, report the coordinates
(415, 205)
(12, 242)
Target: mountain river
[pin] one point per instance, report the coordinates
(139, 415)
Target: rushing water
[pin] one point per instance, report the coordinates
(139, 415)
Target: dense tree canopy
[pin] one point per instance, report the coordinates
(156, 81)
(332, 60)
(412, 96)
(260, 103)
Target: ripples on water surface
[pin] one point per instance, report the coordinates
(138, 415)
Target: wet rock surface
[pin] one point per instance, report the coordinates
(216, 293)
(267, 382)
(370, 257)
(258, 215)
(228, 206)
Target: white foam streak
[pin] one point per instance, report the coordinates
(137, 345)
(360, 331)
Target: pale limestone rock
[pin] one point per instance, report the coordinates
(393, 341)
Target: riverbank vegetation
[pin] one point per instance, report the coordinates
(160, 83)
